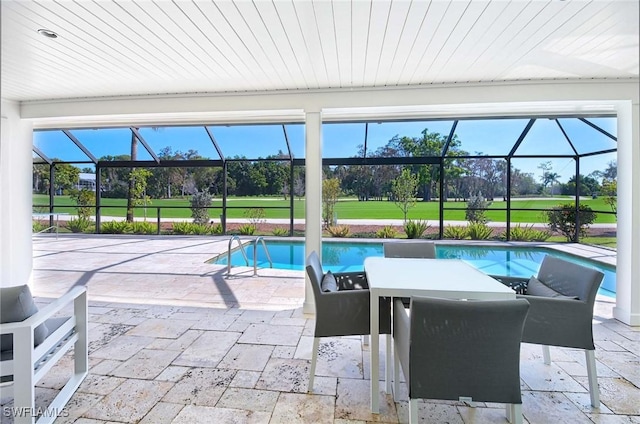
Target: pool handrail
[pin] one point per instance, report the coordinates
(255, 254)
(244, 254)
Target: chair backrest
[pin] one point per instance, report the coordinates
(466, 348)
(410, 249)
(570, 279)
(315, 273)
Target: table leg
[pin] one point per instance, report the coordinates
(374, 348)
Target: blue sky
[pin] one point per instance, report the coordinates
(487, 136)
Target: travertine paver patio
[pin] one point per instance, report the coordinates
(174, 341)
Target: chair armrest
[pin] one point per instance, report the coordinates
(46, 312)
(558, 322)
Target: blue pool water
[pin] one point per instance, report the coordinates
(349, 257)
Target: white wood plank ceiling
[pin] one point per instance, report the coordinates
(124, 47)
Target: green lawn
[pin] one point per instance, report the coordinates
(345, 209)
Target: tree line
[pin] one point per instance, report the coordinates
(463, 176)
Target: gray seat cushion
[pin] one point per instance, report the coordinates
(329, 283)
(16, 305)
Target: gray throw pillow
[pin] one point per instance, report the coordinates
(329, 283)
(536, 287)
(16, 305)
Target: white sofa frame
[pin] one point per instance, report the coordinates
(30, 364)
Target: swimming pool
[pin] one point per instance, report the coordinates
(349, 257)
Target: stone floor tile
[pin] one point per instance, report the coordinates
(146, 364)
(285, 352)
(192, 414)
(218, 322)
(624, 364)
(104, 367)
(620, 396)
(130, 401)
(340, 357)
(256, 317)
(200, 386)
(294, 408)
(179, 344)
(540, 376)
(271, 335)
(162, 328)
(208, 350)
(285, 375)
(250, 399)
(123, 347)
(246, 357)
(245, 379)
(353, 402)
(162, 413)
(172, 373)
(77, 406)
(479, 415)
(551, 407)
(100, 384)
(101, 335)
(614, 419)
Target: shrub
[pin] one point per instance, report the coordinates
(338, 230)
(200, 229)
(182, 227)
(37, 226)
(84, 199)
(247, 229)
(386, 232)
(455, 233)
(187, 228)
(143, 227)
(476, 209)
(79, 225)
(114, 227)
(479, 231)
(216, 229)
(525, 233)
(200, 201)
(415, 229)
(562, 219)
(280, 232)
(255, 216)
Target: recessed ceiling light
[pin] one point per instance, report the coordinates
(47, 33)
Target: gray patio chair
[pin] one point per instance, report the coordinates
(410, 249)
(33, 341)
(342, 303)
(460, 350)
(562, 297)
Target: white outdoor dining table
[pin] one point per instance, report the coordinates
(403, 277)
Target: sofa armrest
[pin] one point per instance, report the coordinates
(46, 312)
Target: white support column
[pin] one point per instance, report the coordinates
(627, 307)
(313, 195)
(16, 164)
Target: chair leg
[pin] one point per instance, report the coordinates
(514, 413)
(387, 364)
(593, 378)
(396, 375)
(546, 354)
(314, 359)
(413, 411)
(23, 378)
